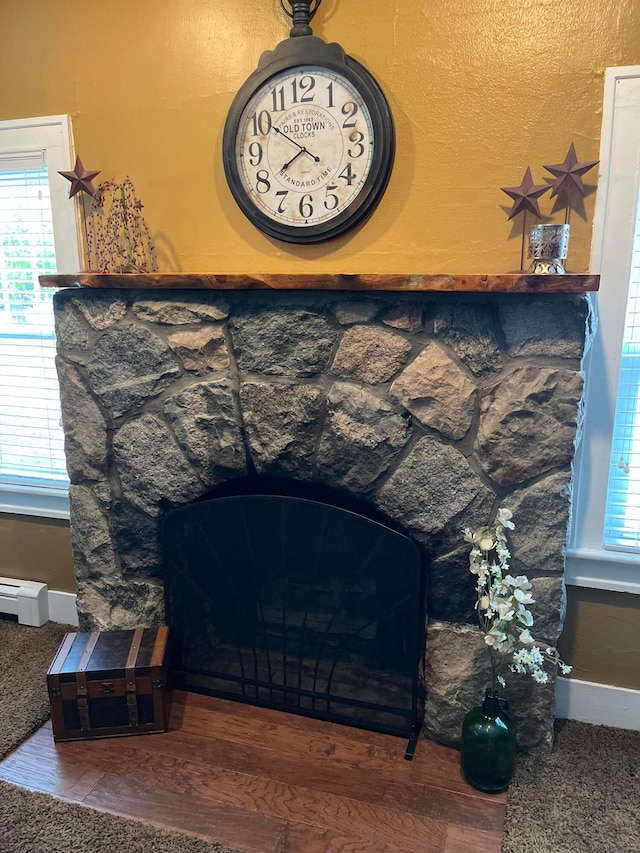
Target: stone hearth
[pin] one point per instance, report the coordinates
(433, 408)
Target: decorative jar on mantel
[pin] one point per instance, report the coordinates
(548, 247)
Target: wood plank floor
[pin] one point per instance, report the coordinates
(267, 782)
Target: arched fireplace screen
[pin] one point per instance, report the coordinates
(297, 605)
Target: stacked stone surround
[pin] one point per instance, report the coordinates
(433, 408)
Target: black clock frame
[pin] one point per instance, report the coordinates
(305, 51)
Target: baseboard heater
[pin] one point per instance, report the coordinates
(28, 600)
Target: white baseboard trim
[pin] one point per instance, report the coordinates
(62, 607)
(600, 704)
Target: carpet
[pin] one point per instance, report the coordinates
(38, 823)
(584, 797)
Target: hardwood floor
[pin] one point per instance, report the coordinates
(267, 782)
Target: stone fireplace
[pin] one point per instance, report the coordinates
(432, 408)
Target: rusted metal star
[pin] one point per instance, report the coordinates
(526, 196)
(569, 174)
(81, 179)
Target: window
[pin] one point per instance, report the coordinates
(38, 234)
(605, 536)
(622, 513)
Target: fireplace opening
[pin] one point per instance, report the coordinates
(298, 604)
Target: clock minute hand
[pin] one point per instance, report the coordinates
(297, 144)
(302, 150)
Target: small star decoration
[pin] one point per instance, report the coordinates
(569, 174)
(81, 179)
(526, 196)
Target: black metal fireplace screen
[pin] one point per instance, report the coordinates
(296, 604)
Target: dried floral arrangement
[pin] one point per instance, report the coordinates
(117, 237)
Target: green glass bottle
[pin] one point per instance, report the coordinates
(489, 745)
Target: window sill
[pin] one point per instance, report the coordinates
(38, 501)
(600, 569)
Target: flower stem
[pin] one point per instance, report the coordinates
(494, 679)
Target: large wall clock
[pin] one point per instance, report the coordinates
(309, 140)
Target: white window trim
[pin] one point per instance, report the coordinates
(587, 563)
(53, 135)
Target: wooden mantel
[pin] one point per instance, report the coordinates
(500, 283)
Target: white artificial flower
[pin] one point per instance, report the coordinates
(486, 543)
(525, 636)
(525, 616)
(565, 668)
(495, 638)
(481, 569)
(503, 552)
(535, 655)
(521, 582)
(504, 518)
(505, 611)
(523, 597)
(501, 681)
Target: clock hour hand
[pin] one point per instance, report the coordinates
(295, 157)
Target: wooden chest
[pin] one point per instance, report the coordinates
(106, 684)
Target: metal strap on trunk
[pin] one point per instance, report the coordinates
(81, 682)
(130, 676)
(159, 647)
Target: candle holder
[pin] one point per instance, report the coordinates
(548, 248)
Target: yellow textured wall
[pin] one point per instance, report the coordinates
(480, 89)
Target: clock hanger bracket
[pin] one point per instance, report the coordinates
(302, 13)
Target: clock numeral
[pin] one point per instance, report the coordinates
(356, 137)
(305, 208)
(255, 153)
(330, 91)
(284, 194)
(348, 174)
(349, 109)
(278, 99)
(307, 85)
(261, 123)
(331, 197)
(262, 181)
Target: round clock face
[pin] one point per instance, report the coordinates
(309, 153)
(304, 146)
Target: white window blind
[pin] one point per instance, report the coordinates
(622, 515)
(31, 439)
(38, 235)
